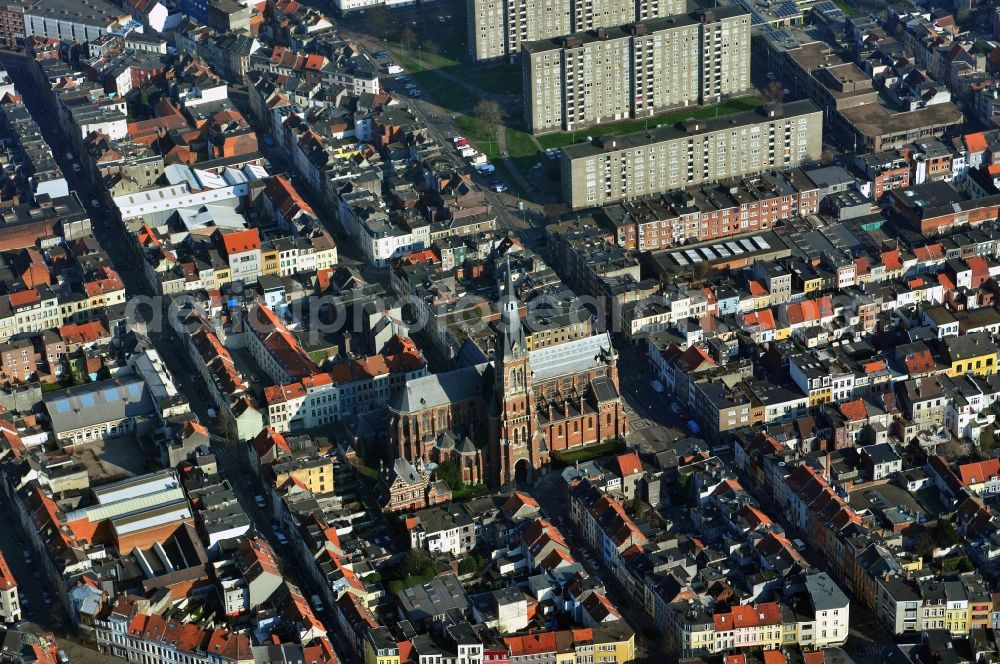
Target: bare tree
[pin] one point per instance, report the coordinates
(952, 450)
(490, 113)
(407, 37)
(773, 93)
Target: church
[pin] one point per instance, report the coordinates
(500, 421)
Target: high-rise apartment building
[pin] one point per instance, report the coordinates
(636, 70)
(616, 168)
(498, 28)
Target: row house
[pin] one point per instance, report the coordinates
(955, 604)
(711, 212)
(606, 528)
(275, 348)
(349, 388)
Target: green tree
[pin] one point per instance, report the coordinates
(470, 564)
(448, 473)
(987, 440)
(945, 535)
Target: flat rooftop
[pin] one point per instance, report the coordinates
(874, 120)
(89, 12)
(648, 27)
(607, 144)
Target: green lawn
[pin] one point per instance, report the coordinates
(728, 107)
(468, 491)
(566, 458)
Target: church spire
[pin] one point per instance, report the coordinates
(510, 342)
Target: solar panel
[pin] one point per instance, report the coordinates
(722, 251)
(735, 248)
(110, 394)
(61, 406)
(709, 254)
(87, 400)
(761, 242)
(748, 245)
(135, 390)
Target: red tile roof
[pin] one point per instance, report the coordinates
(976, 142)
(745, 616)
(531, 644)
(240, 242)
(978, 471)
(7, 580)
(854, 410)
(23, 298)
(929, 252)
(628, 464)
(891, 261)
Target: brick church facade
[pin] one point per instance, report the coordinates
(511, 414)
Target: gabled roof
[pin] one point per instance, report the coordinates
(628, 464)
(978, 471)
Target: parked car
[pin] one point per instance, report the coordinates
(76, 168)
(62, 657)
(94, 203)
(259, 499)
(27, 557)
(381, 54)
(456, 138)
(486, 168)
(411, 86)
(280, 536)
(416, 93)
(461, 143)
(498, 186)
(317, 602)
(46, 597)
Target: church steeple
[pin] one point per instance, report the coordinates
(510, 342)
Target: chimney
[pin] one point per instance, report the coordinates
(827, 469)
(774, 111)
